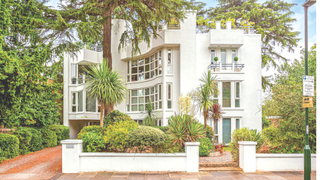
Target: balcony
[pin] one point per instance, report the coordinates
(230, 67)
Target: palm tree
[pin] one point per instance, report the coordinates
(151, 118)
(105, 85)
(215, 114)
(203, 96)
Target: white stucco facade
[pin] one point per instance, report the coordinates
(190, 55)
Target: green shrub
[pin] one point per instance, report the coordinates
(93, 142)
(115, 116)
(116, 135)
(36, 140)
(61, 131)
(205, 146)
(185, 129)
(24, 135)
(49, 138)
(243, 134)
(162, 128)
(147, 136)
(209, 133)
(9, 146)
(94, 129)
(2, 159)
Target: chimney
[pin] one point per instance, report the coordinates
(218, 25)
(228, 25)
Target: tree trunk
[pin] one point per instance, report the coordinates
(205, 118)
(106, 45)
(101, 114)
(214, 130)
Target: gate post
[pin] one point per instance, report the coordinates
(247, 156)
(71, 149)
(192, 151)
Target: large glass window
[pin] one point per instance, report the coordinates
(141, 97)
(213, 55)
(169, 96)
(226, 94)
(223, 56)
(90, 104)
(237, 94)
(169, 62)
(145, 68)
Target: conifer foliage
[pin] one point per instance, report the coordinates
(26, 97)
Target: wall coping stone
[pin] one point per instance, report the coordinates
(71, 141)
(104, 154)
(282, 155)
(248, 143)
(192, 143)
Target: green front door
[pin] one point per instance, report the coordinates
(226, 130)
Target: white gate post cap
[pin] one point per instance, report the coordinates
(248, 143)
(71, 141)
(192, 143)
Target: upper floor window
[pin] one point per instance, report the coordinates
(80, 101)
(233, 54)
(169, 97)
(169, 62)
(226, 94)
(223, 56)
(213, 55)
(145, 68)
(141, 97)
(237, 94)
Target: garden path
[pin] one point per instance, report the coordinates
(42, 164)
(225, 157)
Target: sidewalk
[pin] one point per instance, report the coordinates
(185, 176)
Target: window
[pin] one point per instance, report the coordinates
(145, 68)
(223, 56)
(213, 55)
(128, 71)
(160, 63)
(237, 94)
(234, 54)
(141, 97)
(80, 101)
(90, 104)
(226, 94)
(74, 72)
(238, 123)
(226, 130)
(215, 97)
(169, 62)
(216, 136)
(169, 97)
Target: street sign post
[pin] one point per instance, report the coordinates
(307, 102)
(308, 85)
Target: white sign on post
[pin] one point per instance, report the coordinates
(308, 85)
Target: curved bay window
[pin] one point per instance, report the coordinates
(145, 68)
(139, 98)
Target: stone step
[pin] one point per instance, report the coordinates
(216, 169)
(218, 164)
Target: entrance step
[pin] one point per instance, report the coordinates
(217, 164)
(216, 169)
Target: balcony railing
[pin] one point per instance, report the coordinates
(230, 67)
(81, 80)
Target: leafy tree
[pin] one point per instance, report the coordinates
(272, 19)
(26, 97)
(286, 102)
(203, 95)
(105, 85)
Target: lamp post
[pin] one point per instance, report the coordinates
(306, 150)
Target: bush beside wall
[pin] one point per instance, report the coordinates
(24, 135)
(36, 140)
(9, 146)
(49, 137)
(205, 147)
(61, 131)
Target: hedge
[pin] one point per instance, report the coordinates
(24, 135)
(36, 140)
(9, 146)
(115, 116)
(49, 137)
(146, 136)
(61, 131)
(205, 147)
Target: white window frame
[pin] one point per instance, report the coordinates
(75, 101)
(230, 93)
(232, 58)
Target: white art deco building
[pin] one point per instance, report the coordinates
(170, 66)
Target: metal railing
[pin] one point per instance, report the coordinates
(233, 67)
(81, 80)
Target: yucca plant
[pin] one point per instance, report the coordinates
(105, 85)
(184, 128)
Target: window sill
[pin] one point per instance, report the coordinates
(142, 81)
(232, 109)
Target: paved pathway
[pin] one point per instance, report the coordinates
(185, 176)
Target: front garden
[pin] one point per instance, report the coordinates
(121, 134)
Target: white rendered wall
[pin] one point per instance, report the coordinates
(283, 162)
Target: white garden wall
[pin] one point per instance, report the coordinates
(74, 160)
(249, 161)
(283, 162)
